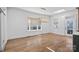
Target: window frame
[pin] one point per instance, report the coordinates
(29, 26)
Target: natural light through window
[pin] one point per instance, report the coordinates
(34, 24)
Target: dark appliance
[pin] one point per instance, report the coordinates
(76, 43)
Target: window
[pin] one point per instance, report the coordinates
(34, 24)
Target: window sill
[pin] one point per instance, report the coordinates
(34, 30)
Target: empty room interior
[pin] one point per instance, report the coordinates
(39, 29)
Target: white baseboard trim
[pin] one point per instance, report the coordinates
(21, 36)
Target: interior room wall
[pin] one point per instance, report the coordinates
(61, 29)
(17, 23)
(3, 27)
(0, 30)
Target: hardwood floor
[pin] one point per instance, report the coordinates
(40, 43)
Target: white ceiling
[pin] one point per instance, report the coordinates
(48, 11)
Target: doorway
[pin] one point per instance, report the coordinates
(70, 25)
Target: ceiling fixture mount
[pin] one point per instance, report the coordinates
(43, 8)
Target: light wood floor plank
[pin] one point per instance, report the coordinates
(38, 43)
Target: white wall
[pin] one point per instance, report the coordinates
(17, 23)
(61, 22)
(3, 28)
(0, 31)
